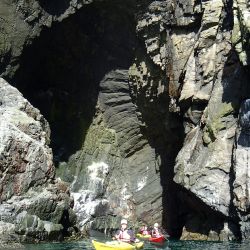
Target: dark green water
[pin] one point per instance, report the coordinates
(170, 245)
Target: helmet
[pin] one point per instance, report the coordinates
(156, 225)
(123, 221)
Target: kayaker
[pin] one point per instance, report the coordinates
(156, 232)
(144, 230)
(124, 234)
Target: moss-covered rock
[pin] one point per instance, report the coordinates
(217, 122)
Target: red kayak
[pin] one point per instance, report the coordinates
(157, 239)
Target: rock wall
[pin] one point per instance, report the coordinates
(24, 145)
(205, 165)
(240, 168)
(160, 107)
(200, 52)
(32, 205)
(116, 173)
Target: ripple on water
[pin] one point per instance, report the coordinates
(170, 245)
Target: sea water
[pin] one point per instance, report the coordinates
(169, 245)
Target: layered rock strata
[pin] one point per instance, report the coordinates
(115, 173)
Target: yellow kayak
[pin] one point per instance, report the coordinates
(116, 245)
(141, 236)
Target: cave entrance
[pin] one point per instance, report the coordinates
(60, 71)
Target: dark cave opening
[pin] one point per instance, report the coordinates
(60, 71)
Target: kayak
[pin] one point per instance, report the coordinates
(141, 236)
(157, 239)
(117, 245)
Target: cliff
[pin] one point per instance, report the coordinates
(148, 106)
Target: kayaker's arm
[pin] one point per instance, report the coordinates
(117, 235)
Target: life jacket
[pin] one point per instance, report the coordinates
(124, 236)
(145, 232)
(155, 232)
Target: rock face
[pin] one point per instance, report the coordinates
(116, 172)
(21, 21)
(202, 74)
(24, 138)
(241, 168)
(149, 121)
(31, 206)
(241, 30)
(213, 85)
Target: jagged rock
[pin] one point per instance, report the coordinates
(31, 226)
(206, 78)
(211, 94)
(27, 171)
(6, 228)
(9, 240)
(241, 169)
(26, 159)
(241, 30)
(241, 164)
(24, 150)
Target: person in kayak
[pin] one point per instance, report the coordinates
(124, 234)
(144, 230)
(156, 232)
